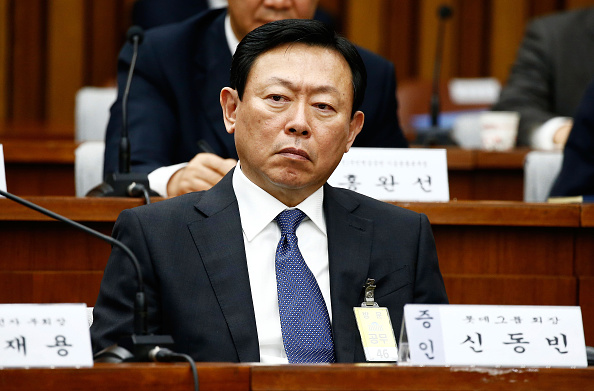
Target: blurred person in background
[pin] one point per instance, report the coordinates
(553, 66)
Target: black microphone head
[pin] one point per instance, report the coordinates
(444, 12)
(135, 31)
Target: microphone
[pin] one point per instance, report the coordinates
(135, 35)
(125, 183)
(141, 342)
(444, 12)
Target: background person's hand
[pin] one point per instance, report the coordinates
(201, 173)
(561, 135)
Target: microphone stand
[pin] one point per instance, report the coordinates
(435, 135)
(140, 341)
(125, 183)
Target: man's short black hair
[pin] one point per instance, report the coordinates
(287, 31)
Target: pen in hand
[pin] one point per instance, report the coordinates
(204, 146)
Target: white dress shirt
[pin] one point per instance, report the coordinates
(542, 137)
(261, 234)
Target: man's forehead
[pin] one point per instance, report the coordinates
(265, 65)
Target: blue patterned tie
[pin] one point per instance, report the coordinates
(305, 324)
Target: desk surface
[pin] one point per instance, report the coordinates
(230, 377)
(492, 213)
(46, 167)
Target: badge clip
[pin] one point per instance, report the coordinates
(369, 294)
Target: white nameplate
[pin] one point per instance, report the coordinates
(395, 174)
(490, 335)
(44, 335)
(2, 171)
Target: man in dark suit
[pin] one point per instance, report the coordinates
(577, 172)
(549, 76)
(152, 13)
(214, 277)
(174, 97)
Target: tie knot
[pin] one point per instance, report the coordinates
(289, 220)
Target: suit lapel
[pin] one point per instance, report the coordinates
(212, 63)
(349, 249)
(219, 241)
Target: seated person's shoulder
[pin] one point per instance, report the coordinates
(562, 20)
(189, 29)
(372, 59)
(169, 209)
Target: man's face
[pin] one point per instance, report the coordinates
(246, 15)
(294, 122)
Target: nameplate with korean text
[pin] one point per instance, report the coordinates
(395, 174)
(44, 335)
(490, 335)
(2, 171)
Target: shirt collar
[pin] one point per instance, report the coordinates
(257, 208)
(232, 40)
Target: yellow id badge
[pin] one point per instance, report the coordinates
(377, 334)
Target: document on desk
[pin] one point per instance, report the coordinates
(395, 174)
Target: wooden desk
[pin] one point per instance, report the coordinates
(482, 175)
(489, 252)
(39, 167)
(46, 167)
(46, 261)
(128, 377)
(230, 377)
(584, 265)
(389, 377)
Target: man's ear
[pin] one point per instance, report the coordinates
(355, 127)
(229, 103)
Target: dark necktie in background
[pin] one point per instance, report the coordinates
(305, 324)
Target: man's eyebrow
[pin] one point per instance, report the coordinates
(287, 83)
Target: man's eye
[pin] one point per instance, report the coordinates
(324, 106)
(276, 98)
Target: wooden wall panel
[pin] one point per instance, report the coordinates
(507, 30)
(400, 43)
(365, 23)
(103, 44)
(428, 27)
(49, 49)
(572, 4)
(28, 60)
(4, 30)
(472, 38)
(64, 58)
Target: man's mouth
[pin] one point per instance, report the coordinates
(294, 153)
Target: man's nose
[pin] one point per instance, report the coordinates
(299, 121)
(278, 4)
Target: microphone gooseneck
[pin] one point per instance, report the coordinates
(118, 184)
(135, 36)
(140, 311)
(434, 135)
(444, 12)
(140, 342)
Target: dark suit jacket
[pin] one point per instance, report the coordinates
(174, 97)
(197, 284)
(552, 69)
(577, 173)
(152, 13)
